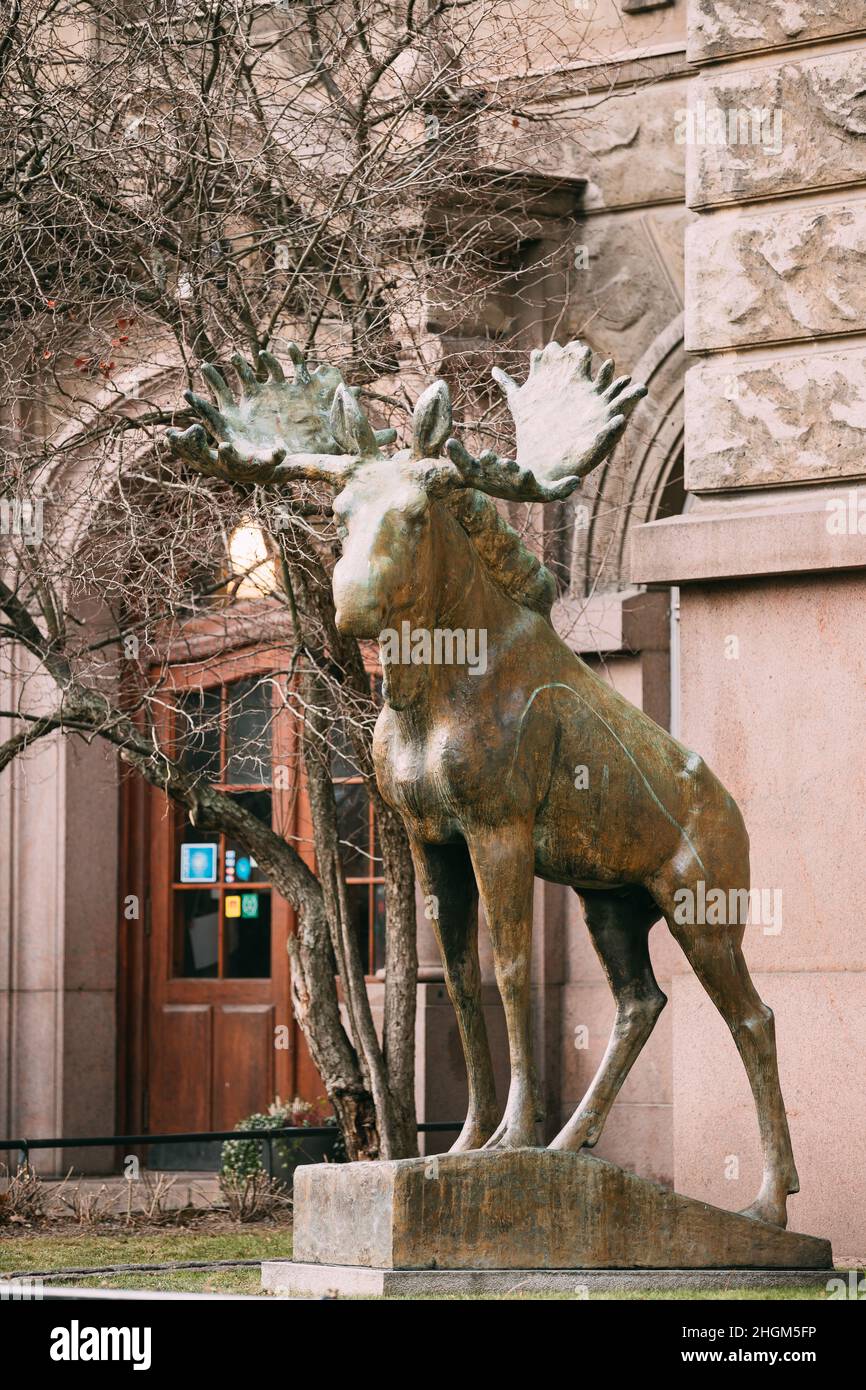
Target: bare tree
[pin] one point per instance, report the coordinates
(183, 181)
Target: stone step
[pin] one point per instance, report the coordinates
(289, 1278)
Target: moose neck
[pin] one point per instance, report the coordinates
(458, 601)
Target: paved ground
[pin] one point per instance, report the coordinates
(198, 1190)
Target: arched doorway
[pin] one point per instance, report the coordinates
(642, 481)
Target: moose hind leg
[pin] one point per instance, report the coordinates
(716, 957)
(619, 926)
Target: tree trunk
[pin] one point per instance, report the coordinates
(401, 974)
(309, 587)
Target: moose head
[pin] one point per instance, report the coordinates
(387, 508)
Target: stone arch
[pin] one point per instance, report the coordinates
(71, 485)
(642, 481)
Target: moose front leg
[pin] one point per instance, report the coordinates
(448, 883)
(504, 862)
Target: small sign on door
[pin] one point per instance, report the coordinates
(198, 863)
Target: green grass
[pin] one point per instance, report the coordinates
(245, 1281)
(83, 1249)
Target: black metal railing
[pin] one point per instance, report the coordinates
(267, 1136)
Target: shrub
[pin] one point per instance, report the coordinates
(254, 1197)
(241, 1158)
(24, 1199)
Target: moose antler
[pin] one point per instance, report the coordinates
(278, 430)
(314, 428)
(566, 424)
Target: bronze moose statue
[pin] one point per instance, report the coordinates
(480, 764)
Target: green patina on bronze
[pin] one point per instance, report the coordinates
(481, 764)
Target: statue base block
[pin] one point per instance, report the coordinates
(524, 1209)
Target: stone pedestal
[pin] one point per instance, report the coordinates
(515, 1210)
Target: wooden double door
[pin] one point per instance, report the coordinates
(221, 1038)
(208, 1033)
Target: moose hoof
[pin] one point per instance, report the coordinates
(474, 1135)
(773, 1210)
(515, 1134)
(581, 1132)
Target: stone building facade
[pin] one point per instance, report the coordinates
(713, 579)
(717, 580)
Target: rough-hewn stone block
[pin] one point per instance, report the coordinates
(524, 1209)
(797, 419)
(616, 144)
(622, 298)
(764, 277)
(720, 27)
(624, 148)
(795, 125)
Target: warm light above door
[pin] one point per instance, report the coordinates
(252, 567)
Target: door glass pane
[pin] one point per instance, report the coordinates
(248, 740)
(240, 865)
(378, 926)
(343, 760)
(224, 734)
(196, 932)
(247, 918)
(353, 823)
(358, 895)
(197, 732)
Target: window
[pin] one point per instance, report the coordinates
(361, 865)
(221, 898)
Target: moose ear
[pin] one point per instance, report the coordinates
(350, 426)
(431, 422)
